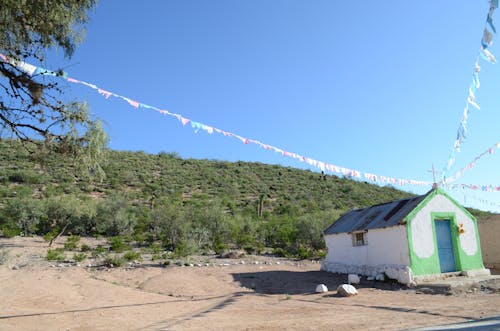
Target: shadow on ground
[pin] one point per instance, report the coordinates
(305, 282)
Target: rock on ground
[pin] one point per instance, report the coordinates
(346, 290)
(321, 288)
(353, 279)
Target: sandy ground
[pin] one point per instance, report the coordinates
(261, 294)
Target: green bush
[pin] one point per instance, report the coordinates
(114, 216)
(279, 252)
(220, 247)
(132, 256)
(117, 244)
(25, 176)
(85, 248)
(25, 213)
(155, 248)
(71, 243)
(113, 261)
(49, 235)
(185, 248)
(10, 230)
(99, 251)
(79, 257)
(56, 254)
(253, 248)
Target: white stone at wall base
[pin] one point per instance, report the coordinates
(346, 290)
(353, 279)
(321, 288)
(401, 273)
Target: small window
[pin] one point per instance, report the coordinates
(359, 239)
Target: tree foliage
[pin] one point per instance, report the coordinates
(31, 104)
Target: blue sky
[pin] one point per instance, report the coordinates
(375, 86)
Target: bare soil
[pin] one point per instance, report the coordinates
(250, 293)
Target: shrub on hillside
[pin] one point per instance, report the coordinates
(56, 254)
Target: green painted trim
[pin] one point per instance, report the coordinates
(429, 195)
(423, 266)
(465, 211)
(431, 265)
(472, 262)
(457, 249)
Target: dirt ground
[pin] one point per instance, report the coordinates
(250, 293)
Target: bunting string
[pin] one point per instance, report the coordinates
(475, 187)
(197, 126)
(323, 166)
(471, 102)
(467, 196)
(472, 164)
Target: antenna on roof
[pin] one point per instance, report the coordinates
(435, 184)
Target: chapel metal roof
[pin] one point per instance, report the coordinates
(375, 217)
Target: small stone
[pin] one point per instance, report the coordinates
(353, 279)
(278, 262)
(380, 277)
(199, 265)
(16, 267)
(242, 262)
(346, 290)
(191, 265)
(321, 288)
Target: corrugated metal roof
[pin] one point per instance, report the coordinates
(375, 217)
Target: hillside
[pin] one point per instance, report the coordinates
(188, 204)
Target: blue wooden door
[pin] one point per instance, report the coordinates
(445, 246)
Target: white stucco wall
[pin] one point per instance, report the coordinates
(421, 227)
(385, 246)
(386, 252)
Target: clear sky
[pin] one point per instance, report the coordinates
(375, 86)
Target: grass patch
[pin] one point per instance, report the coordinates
(99, 251)
(56, 254)
(114, 261)
(117, 244)
(132, 256)
(71, 243)
(85, 248)
(79, 257)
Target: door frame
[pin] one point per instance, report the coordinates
(436, 216)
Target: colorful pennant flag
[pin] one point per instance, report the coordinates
(486, 42)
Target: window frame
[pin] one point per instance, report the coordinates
(364, 240)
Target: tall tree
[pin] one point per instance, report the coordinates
(32, 103)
